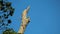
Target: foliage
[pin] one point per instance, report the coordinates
(9, 31)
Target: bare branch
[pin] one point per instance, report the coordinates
(25, 21)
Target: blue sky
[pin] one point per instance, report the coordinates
(44, 14)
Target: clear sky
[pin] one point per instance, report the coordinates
(44, 14)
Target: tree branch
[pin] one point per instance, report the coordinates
(25, 21)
